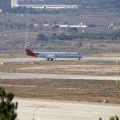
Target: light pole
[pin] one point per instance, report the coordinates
(60, 30)
(36, 109)
(117, 72)
(26, 35)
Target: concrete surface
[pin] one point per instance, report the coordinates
(29, 109)
(61, 59)
(53, 76)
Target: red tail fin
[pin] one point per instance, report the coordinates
(30, 53)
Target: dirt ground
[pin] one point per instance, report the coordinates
(63, 67)
(73, 90)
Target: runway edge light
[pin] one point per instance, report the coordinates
(2, 63)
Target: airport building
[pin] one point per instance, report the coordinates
(14, 3)
(51, 6)
(72, 26)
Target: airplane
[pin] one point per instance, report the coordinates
(53, 55)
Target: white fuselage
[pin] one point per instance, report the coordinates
(52, 55)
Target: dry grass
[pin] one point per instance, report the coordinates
(63, 67)
(17, 38)
(3, 56)
(73, 90)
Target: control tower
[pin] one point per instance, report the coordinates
(14, 3)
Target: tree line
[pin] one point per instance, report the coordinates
(81, 36)
(71, 35)
(18, 26)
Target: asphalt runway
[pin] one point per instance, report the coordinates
(31, 109)
(54, 76)
(60, 59)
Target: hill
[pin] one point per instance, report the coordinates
(5, 5)
(100, 3)
(113, 5)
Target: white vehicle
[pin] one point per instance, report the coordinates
(53, 55)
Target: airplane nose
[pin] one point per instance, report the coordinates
(81, 56)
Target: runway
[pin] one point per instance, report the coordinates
(31, 109)
(54, 76)
(60, 59)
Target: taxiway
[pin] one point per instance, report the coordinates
(29, 109)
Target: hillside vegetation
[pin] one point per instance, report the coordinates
(85, 5)
(102, 34)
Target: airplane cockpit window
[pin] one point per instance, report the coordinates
(37, 53)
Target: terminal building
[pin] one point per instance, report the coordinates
(14, 3)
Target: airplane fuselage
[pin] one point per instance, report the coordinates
(52, 55)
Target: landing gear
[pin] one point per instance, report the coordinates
(49, 59)
(79, 58)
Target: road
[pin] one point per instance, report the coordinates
(63, 110)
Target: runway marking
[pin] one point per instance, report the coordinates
(46, 106)
(53, 107)
(66, 88)
(10, 85)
